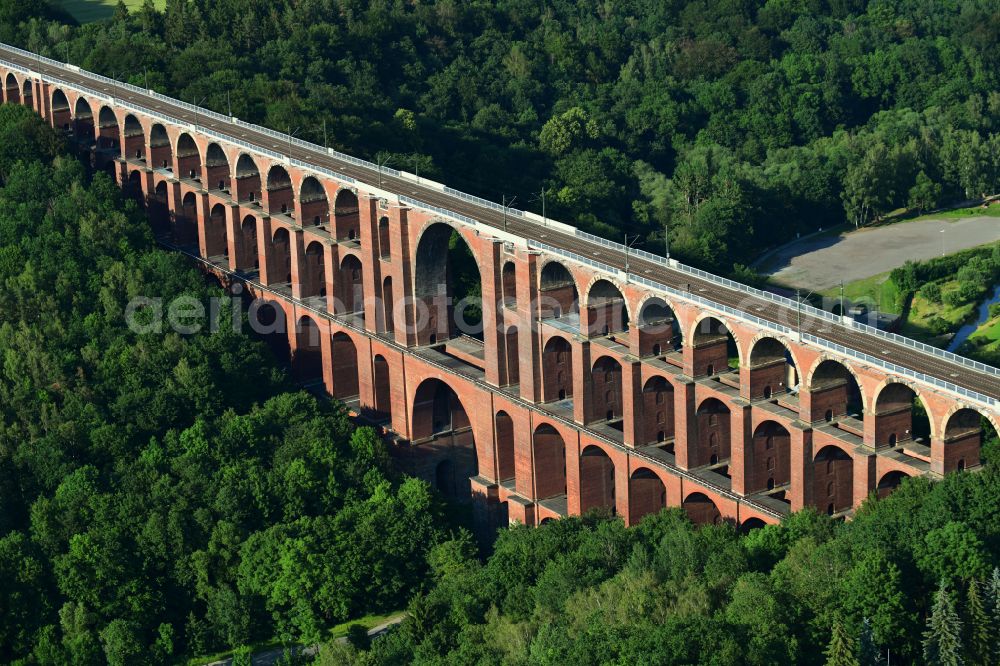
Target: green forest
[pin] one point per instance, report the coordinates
(737, 124)
(160, 494)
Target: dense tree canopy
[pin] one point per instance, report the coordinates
(165, 493)
(739, 123)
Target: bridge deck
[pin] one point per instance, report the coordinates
(878, 347)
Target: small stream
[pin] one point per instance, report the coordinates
(984, 314)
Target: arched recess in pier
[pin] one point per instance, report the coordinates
(834, 393)
(312, 200)
(217, 171)
(833, 480)
(646, 494)
(217, 233)
(900, 416)
(966, 432)
(280, 195)
(713, 445)
(701, 509)
(597, 480)
(557, 370)
(715, 350)
(658, 410)
(558, 295)
(84, 130)
(772, 368)
(549, 456)
(659, 330)
(768, 463)
(607, 311)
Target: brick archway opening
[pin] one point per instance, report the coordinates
(659, 330)
(772, 369)
(280, 195)
(350, 292)
(900, 417)
(12, 92)
(268, 320)
(558, 297)
(504, 425)
(768, 468)
(889, 482)
(383, 394)
(248, 183)
(549, 455)
(134, 188)
(312, 277)
(188, 158)
(345, 371)
(597, 480)
(713, 444)
(557, 370)
(646, 494)
(658, 412)
(83, 124)
(441, 428)
(159, 210)
(835, 397)
(714, 349)
(62, 118)
(447, 286)
(217, 233)
(347, 217)
(384, 238)
(607, 312)
(508, 284)
(249, 257)
(751, 524)
(966, 433)
(161, 155)
(28, 93)
(701, 510)
(833, 480)
(279, 259)
(217, 171)
(307, 361)
(388, 324)
(606, 393)
(109, 136)
(512, 370)
(315, 207)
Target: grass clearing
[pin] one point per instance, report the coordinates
(87, 11)
(952, 214)
(922, 322)
(877, 290)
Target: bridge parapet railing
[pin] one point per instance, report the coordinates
(806, 309)
(437, 209)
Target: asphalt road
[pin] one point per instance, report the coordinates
(877, 347)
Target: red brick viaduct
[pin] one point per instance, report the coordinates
(586, 390)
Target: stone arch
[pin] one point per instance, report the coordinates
(646, 494)
(834, 391)
(62, 116)
(351, 289)
(83, 122)
(186, 221)
(889, 482)
(312, 199)
(558, 295)
(900, 414)
(833, 480)
(659, 330)
(217, 172)
(768, 463)
(716, 347)
(606, 391)
(713, 444)
(384, 238)
(313, 273)
(965, 430)
(216, 232)
(512, 357)
(382, 386)
(347, 215)
(701, 510)
(109, 136)
(441, 424)
(160, 152)
(658, 411)
(345, 367)
(443, 264)
(504, 428)
(134, 187)
(279, 258)
(159, 210)
(508, 284)
(549, 456)
(597, 480)
(557, 370)
(28, 92)
(248, 183)
(772, 367)
(607, 309)
(188, 158)
(280, 195)
(249, 258)
(12, 91)
(135, 138)
(268, 320)
(307, 360)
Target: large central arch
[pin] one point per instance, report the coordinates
(447, 285)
